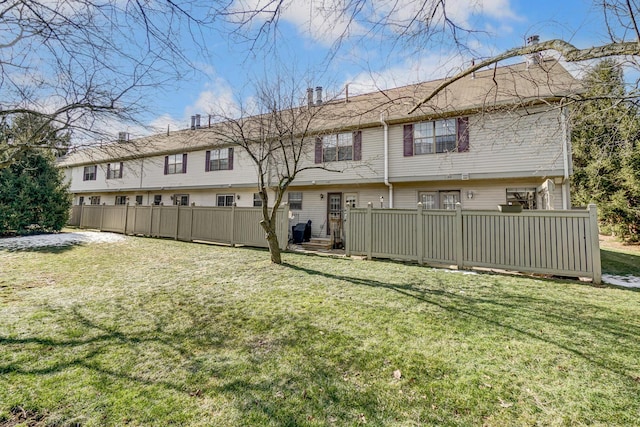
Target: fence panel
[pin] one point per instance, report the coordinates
(438, 237)
(91, 216)
(247, 229)
(549, 242)
(74, 216)
(212, 224)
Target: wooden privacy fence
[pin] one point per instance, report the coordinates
(555, 242)
(229, 225)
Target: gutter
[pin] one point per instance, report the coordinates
(386, 159)
(566, 194)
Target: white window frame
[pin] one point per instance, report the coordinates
(173, 161)
(257, 201)
(439, 199)
(227, 200)
(114, 170)
(218, 159)
(526, 197)
(337, 147)
(435, 136)
(181, 200)
(121, 200)
(90, 173)
(294, 198)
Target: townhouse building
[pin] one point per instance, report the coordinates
(500, 136)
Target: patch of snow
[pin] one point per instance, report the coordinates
(58, 240)
(626, 281)
(464, 272)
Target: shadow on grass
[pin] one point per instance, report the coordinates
(508, 311)
(620, 263)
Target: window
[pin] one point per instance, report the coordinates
(181, 199)
(295, 200)
(523, 196)
(449, 199)
(90, 173)
(157, 199)
(351, 200)
(138, 200)
(114, 170)
(221, 159)
(175, 163)
(438, 136)
(94, 200)
(439, 199)
(428, 199)
(121, 200)
(81, 200)
(339, 147)
(225, 199)
(257, 201)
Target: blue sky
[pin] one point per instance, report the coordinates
(226, 68)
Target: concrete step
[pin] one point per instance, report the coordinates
(317, 243)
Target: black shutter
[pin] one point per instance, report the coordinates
(407, 138)
(357, 145)
(166, 165)
(230, 158)
(108, 170)
(207, 161)
(121, 167)
(184, 163)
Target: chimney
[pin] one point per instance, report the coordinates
(318, 95)
(198, 121)
(533, 58)
(193, 122)
(309, 97)
(123, 137)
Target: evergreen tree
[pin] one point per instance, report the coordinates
(33, 194)
(606, 151)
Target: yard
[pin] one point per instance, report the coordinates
(158, 332)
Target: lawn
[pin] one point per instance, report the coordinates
(158, 332)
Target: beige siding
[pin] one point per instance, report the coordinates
(369, 169)
(501, 145)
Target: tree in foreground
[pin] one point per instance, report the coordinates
(606, 151)
(33, 192)
(279, 137)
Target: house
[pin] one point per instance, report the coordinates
(498, 137)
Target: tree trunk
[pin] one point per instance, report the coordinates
(272, 240)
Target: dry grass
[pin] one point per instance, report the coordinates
(157, 332)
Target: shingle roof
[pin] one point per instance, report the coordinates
(512, 85)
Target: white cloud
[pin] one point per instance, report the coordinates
(325, 24)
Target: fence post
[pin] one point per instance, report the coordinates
(458, 238)
(345, 222)
(233, 218)
(420, 233)
(81, 214)
(151, 221)
(191, 224)
(101, 216)
(284, 243)
(126, 218)
(177, 223)
(595, 243)
(368, 237)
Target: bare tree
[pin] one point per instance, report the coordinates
(83, 66)
(278, 133)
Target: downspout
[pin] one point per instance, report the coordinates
(386, 159)
(566, 135)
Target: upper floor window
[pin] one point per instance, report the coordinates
(90, 173)
(114, 170)
(175, 163)
(437, 136)
(339, 147)
(295, 200)
(221, 159)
